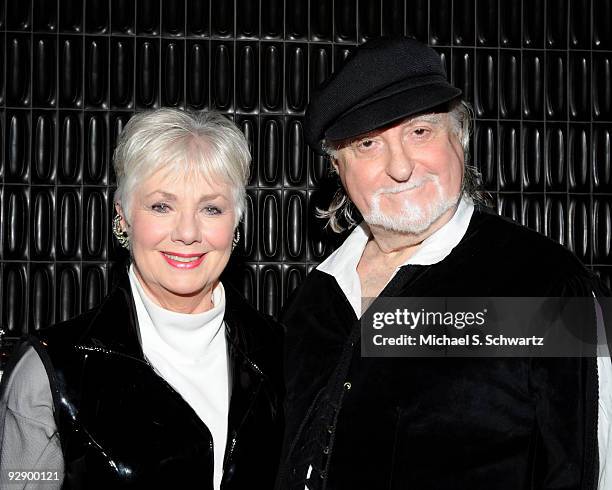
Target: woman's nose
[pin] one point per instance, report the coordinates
(187, 229)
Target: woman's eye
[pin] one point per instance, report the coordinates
(160, 207)
(212, 210)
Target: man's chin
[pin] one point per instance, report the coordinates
(401, 226)
(414, 220)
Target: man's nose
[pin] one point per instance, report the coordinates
(401, 161)
(187, 229)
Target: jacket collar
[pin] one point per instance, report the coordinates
(114, 324)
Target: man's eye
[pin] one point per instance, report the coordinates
(365, 144)
(421, 131)
(160, 207)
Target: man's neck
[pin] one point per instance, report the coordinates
(387, 250)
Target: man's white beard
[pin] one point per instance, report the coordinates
(414, 218)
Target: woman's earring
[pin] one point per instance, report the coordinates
(121, 236)
(236, 239)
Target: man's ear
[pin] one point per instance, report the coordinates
(334, 163)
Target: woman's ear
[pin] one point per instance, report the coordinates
(122, 220)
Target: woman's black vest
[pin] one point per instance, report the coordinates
(122, 426)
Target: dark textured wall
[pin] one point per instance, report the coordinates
(539, 73)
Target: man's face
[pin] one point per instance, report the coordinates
(406, 176)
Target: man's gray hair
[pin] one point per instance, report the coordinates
(340, 212)
(182, 144)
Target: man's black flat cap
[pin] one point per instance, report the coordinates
(382, 81)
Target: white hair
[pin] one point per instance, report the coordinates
(182, 144)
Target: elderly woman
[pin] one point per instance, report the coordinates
(174, 380)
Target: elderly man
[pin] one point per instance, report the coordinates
(397, 134)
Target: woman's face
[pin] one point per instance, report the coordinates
(181, 234)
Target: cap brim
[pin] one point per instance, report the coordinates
(382, 112)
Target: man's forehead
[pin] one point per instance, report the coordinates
(431, 118)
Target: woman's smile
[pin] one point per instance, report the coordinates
(183, 261)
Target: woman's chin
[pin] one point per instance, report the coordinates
(187, 290)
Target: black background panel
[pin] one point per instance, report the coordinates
(538, 73)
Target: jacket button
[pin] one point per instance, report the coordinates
(347, 386)
(326, 450)
(331, 429)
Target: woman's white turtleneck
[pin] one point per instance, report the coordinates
(190, 352)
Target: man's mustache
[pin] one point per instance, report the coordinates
(406, 186)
